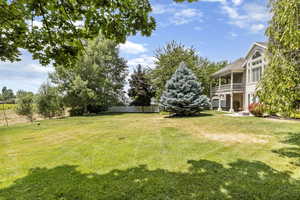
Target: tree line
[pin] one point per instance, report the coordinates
(68, 29)
(96, 81)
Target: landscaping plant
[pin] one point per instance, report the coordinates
(25, 106)
(183, 94)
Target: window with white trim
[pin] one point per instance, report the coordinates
(256, 74)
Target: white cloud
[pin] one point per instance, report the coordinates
(26, 74)
(132, 48)
(162, 9)
(232, 34)
(257, 28)
(251, 16)
(198, 28)
(186, 16)
(237, 2)
(144, 60)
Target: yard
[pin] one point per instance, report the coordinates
(150, 156)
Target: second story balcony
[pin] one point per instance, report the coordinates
(230, 79)
(235, 87)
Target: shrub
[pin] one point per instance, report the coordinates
(257, 109)
(49, 102)
(25, 104)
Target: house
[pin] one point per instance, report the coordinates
(238, 81)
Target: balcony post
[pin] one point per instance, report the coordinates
(231, 102)
(231, 81)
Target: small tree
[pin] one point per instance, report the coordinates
(25, 104)
(49, 102)
(140, 88)
(183, 93)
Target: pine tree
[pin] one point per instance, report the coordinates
(183, 93)
(141, 90)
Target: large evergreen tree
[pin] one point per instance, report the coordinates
(141, 90)
(279, 88)
(183, 93)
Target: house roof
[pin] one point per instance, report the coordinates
(234, 66)
(260, 44)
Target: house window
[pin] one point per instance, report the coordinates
(256, 55)
(256, 74)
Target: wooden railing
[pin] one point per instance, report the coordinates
(229, 88)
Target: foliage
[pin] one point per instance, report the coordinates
(7, 95)
(170, 56)
(257, 109)
(49, 102)
(53, 30)
(183, 93)
(7, 106)
(141, 89)
(96, 81)
(24, 105)
(280, 84)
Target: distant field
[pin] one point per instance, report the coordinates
(151, 157)
(7, 106)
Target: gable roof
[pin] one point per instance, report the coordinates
(234, 66)
(263, 45)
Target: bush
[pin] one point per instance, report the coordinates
(25, 104)
(49, 102)
(257, 109)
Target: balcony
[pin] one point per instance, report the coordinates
(236, 87)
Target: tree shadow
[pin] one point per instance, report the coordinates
(291, 152)
(191, 116)
(204, 180)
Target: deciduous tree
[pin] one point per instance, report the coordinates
(96, 80)
(279, 88)
(49, 102)
(25, 102)
(53, 30)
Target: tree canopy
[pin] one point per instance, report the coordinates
(171, 55)
(54, 30)
(281, 81)
(96, 80)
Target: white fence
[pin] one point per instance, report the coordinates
(134, 109)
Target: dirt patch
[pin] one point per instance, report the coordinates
(283, 120)
(237, 138)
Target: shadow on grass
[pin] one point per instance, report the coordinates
(192, 116)
(291, 152)
(241, 180)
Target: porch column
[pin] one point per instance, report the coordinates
(231, 83)
(231, 102)
(220, 106)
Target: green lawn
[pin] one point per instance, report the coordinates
(149, 156)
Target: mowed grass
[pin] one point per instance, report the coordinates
(150, 156)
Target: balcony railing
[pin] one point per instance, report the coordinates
(227, 88)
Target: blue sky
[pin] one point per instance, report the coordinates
(217, 29)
